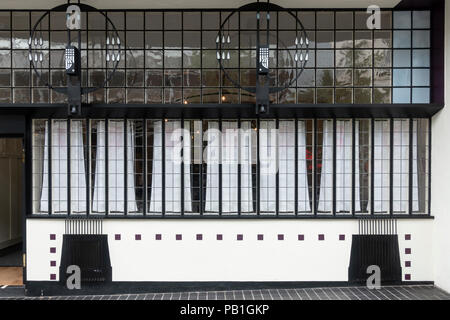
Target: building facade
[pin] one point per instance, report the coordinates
(169, 177)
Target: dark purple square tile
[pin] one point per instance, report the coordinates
(53, 236)
(52, 263)
(281, 237)
(199, 237)
(158, 236)
(260, 237)
(117, 237)
(321, 237)
(178, 237)
(342, 237)
(407, 277)
(52, 250)
(408, 251)
(301, 237)
(407, 264)
(240, 237)
(52, 276)
(407, 237)
(219, 237)
(137, 237)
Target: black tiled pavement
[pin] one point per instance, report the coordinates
(413, 292)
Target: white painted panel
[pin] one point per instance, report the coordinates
(228, 260)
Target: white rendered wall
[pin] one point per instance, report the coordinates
(440, 182)
(210, 259)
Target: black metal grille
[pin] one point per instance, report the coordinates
(376, 244)
(85, 246)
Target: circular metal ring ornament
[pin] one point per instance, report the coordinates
(262, 89)
(72, 56)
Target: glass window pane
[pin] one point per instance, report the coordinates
(402, 19)
(401, 95)
(402, 39)
(421, 95)
(421, 19)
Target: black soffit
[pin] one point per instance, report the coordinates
(229, 110)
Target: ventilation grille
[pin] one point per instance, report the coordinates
(81, 225)
(368, 226)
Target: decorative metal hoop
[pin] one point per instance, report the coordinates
(61, 8)
(263, 7)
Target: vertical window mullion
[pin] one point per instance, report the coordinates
(68, 163)
(125, 165)
(182, 167)
(87, 164)
(258, 168)
(296, 167)
(315, 133)
(354, 165)
(106, 166)
(277, 174)
(163, 156)
(49, 156)
(239, 167)
(334, 166)
(372, 164)
(201, 169)
(220, 167)
(391, 167)
(410, 164)
(145, 178)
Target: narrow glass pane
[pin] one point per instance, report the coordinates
(154, 150)
(381, 170)
(324, 166)
(421, 160)
(400, 174)
(362, 166)
(40, 166)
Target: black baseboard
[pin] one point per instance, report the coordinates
(53, 288)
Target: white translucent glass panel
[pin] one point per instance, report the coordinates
(196, 151)
(40, 145)
(211, 166)
(59, 168)
(78, 145)
(362, 165)
(420, 166)
(344, 160)
(177, 156)
(400, 173)
(324, 166)
(114, 168)
(268, 166)
(230, 159)
(286, 166)
(248, 151)
(305, 135)
(98, 165)
(381, 174)
(154, 166)
(135, 165)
